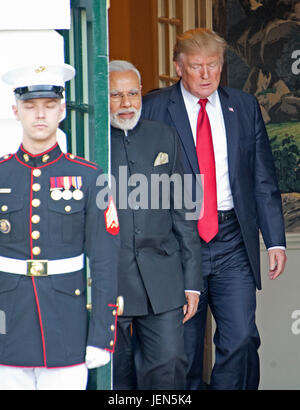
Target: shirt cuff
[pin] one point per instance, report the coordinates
(194, 291)
(277, 247)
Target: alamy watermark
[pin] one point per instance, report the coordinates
(160, 191)
(295, 328)
(2, 323)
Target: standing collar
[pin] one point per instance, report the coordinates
(38, 160)
(119, 131)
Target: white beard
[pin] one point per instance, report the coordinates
(125, 124)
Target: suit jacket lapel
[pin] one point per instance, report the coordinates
(230, 114)
(181, 122)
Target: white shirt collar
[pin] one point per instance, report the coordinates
(191, 101)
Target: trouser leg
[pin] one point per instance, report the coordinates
(123, 358)
(16, 378)
(160, 356)
(35, 378)
(232, 299)
(194, 334)
(63, 378)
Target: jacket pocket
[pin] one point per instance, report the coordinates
(170, 247)
(72, 284)
(11, 218)
(66, 221)
(8, 284)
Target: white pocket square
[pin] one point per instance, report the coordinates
(162, 158)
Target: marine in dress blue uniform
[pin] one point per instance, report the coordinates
(49, 222)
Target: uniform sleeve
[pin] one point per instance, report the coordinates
(102, 248)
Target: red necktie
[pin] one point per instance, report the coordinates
(208, 220)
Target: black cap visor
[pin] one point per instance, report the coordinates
(39, 91)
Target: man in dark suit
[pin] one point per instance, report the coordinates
(160, 260)
(241, 198)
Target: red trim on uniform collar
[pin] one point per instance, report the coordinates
(41, 153)
(42, 166)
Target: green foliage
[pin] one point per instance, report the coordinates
(286, 155)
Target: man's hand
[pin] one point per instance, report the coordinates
(277, 260)
(191, 307)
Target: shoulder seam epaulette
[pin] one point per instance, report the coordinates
(79, 160)
(6, 157)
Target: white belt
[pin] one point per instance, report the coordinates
(36, 267)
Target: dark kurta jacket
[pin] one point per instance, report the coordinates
(160, 250)
(45, 318)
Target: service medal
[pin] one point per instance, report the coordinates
(77, 194)
(56, 194)
(5, 226)
(56, 185)
(67, 194)
(77, 184)
(67, 182)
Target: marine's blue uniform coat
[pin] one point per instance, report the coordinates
(46, 321)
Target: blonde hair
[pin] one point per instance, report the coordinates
(199, 40)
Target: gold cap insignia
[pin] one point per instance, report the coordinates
(40, 69)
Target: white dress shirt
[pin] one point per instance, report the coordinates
(215, 115)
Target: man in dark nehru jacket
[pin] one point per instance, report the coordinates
(159, 268)
(49, 221)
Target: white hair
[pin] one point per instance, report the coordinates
(122, 65)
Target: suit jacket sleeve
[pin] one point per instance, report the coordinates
(267, 194)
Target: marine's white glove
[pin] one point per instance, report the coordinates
(96, 357)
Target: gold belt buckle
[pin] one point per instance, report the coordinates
(37, 267)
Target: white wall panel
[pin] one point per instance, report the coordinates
(35, 14)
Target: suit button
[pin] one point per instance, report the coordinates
(4, 208)
(68, 208)
(77, 292)
(35, 219)
(138, 231)
(36, 172)
(35, 235)
(36, 187)
(36, 250)
(111, 343)
(112, 328)
(114, 312)
(36, 203)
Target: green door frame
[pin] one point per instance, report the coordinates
(86, 48)
(87, 121)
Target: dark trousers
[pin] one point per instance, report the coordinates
(230, 292)
(153, 358)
